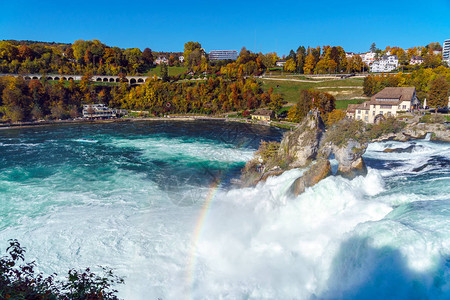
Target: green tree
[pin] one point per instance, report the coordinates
(192, 53)
(164, 72)
(20, 280)
(373, 47)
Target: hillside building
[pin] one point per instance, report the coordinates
(416, 60)
(386, 63)
(385, 103)
(262, 114)
(368, 58)
(98, 111)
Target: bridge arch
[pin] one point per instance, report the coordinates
(140, 80)
(56, 78)
(70, 78)
(132, 81)
(98, 79)
(111, 79)
(105, 79)
(117, 79)
(27, 78)
(35, 77)
(64, 78)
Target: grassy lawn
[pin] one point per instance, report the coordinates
(342, 104)
(173, 71)
(340, 88)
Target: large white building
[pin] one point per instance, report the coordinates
(223, 55)
(386, 103)
(386, 63)
(446, 51)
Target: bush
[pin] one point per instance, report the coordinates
(433, 118)
(341, 132)
(19, 280)
(390, 125)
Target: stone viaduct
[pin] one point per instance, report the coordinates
(95, 78)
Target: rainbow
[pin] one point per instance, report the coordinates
(213, 188)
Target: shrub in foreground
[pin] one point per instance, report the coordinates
(19, 280)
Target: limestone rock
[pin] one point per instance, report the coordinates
(408, 149)
(419, 131)
(318, 171)
(356, 168)
(302, 145)
(349, 156)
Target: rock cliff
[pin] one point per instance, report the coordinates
(310, 146)
(419, 131)
(301, 145)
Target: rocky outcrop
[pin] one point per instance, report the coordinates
(301, 145)
(318, 171)
(418, 131)
(305, 146)
(408, 149)
(349, 157)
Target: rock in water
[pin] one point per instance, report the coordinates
(318, 171)
(302, 145)
(400, 150)
(349, 157)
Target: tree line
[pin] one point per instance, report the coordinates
(27, 100)
(215, 95)
(82, 56)
(430, 84)
(28, 57)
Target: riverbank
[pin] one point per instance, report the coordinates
(280, 124)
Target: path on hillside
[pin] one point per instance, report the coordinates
(339, 87)
(298, 80)
(313, 81)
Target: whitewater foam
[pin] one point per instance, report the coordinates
(385, 235)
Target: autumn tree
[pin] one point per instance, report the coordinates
(309, 100)
(335, 116)
(310, 63)
(290, 65)
(438, 94)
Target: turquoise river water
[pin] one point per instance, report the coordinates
(156, 201)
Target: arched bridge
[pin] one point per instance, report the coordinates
(95, 78)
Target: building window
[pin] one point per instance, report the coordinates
(373, 113)
(404, 106)
(389, 113)
(381, 112)
(358, 117)
(366, 118)
(367, 112)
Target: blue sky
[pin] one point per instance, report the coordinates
(229, 24)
